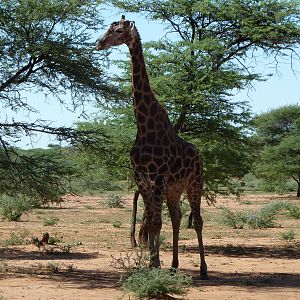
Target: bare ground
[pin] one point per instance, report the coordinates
(243, 263)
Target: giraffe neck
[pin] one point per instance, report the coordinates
(145, 103)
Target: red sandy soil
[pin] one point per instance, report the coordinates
(240, 267)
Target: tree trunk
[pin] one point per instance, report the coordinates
(298, 182)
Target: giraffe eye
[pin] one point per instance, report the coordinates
(119, 30)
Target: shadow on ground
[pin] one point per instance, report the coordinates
(257, 280)
(99, 279)
(19, 254)
(85, 279)
(285, 252)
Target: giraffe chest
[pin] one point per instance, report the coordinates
(150, 159)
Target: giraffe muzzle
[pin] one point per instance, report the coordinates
(99, 45)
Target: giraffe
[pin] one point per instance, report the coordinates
(164, 165)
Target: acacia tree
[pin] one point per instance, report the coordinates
(209, 51)
(110, 154)
(46, 47)
(278, 133)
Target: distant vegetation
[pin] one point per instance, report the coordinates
(263, 218)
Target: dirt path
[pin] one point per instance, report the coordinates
(239, 268)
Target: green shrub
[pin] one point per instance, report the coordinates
(117, 224)
(259, 220)
(54, 240)
(162, 240)
(289, 235)
(93, 182)
(263, 218)
(185, 208)
(293, 211)
(19, 238)
(154, 283)
(115, 201)
(276, 207)
(280, 186)
(66, 248)
(233, 219)
(51, 221)
(12, 208)
(87, 206)
(54, 268)
(148, 282)
(251, 219)
(131, 261)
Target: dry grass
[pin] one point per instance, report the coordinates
(93, 223)
(93, 232)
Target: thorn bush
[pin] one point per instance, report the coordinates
(12, 208)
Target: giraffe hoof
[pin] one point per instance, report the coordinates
(203, 276)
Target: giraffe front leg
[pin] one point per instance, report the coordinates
(152, 223)
(154, 234)
(156, 223)
(175, 214)
(150, 228)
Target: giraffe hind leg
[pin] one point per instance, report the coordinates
(133, 219)
(144, 232)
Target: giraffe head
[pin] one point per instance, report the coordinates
(118, 33)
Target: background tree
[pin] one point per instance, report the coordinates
(209, 53)
(112, 154)
(41, 174)
(278, 133)
(46, 47)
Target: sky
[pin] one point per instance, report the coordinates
(281, 89)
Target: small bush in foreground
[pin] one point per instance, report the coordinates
(152, 282)
(145, 282)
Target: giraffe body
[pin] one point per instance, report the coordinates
(164, 164)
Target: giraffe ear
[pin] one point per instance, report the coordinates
(132, 25)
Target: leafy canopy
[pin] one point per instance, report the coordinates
(46, 47)
(209, 51)
(278, 133)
